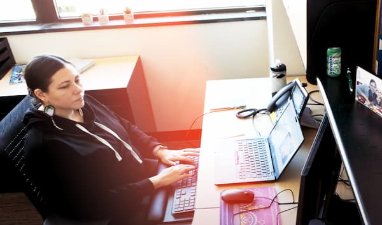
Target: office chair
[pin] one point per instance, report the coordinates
(12, 136)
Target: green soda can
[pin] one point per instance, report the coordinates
(333, 62)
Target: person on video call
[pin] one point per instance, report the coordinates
(89, 162)
(368, 92)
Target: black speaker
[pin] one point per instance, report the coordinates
(348, 24)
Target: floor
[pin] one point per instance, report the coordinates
(15, 208)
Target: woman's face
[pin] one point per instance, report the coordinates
(65, 92)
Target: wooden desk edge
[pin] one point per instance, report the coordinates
(7, 89)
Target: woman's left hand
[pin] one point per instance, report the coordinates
(173, 157)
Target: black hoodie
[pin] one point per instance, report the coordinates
(80, 176)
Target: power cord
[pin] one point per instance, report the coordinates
(315, 102)
(251, 112)
(193, 123)
(308, 119)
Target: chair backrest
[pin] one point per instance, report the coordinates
(12, 136)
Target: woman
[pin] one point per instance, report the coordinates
(88, 163)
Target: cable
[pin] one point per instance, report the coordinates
(312, 99)
(345, 181)
(253, 121)
(286, 210)
(196, 119)
(268, 206)
(202, 115)
(193, 123)
(246, 113)
(318, 119)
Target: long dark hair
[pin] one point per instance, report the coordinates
(40, 69)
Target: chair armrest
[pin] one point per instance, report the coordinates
(158, 204)
(58, 220)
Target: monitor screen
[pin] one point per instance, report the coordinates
(299, 97)
(314, 177)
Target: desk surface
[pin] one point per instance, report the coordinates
(357, 132)
(256, 93)
(106, 73)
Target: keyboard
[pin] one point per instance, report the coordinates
(185, 193)
(252, 159)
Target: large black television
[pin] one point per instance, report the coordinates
(348, 24)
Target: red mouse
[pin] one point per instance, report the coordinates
(235, 196)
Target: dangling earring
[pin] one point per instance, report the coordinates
(49, 110)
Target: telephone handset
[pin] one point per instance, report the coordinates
(281, 97)
(276, 102)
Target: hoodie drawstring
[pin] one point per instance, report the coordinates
(128, 147)
(103, 141)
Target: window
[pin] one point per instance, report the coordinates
(22, 10)
(24, 16)
(74, 8)
(17, 10)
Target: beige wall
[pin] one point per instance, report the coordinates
(285, 45)
(177, 60)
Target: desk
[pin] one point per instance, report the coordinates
(118, 82)
(357, 136)
(254, 92)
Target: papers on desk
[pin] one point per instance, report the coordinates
(255, 213)
(224, 103)
(82, 65)
(17, 74)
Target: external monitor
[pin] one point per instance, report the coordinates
(318, 180)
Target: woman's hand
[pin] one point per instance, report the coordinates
(171, 175)
(173, 157)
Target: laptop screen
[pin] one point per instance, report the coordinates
(299, 97)
(285, 139)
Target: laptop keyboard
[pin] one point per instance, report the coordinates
(252, 161)
(185, 192)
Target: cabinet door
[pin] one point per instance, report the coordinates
(132, 101)
(116, 100)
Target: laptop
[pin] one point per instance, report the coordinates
(259, 158)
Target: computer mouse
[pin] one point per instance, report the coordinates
(235, 196)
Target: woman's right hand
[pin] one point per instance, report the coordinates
(171, 175)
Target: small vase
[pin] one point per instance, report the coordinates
(129, 18)
(87, 19)
(103, 19)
